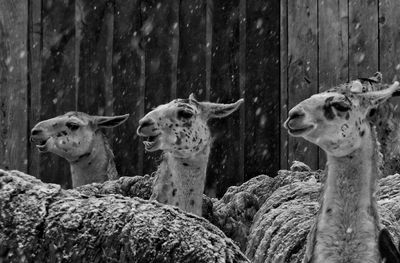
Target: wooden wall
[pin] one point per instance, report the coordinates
(324, 43)
(113, 57)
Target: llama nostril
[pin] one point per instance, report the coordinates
(36, 132)
(143, 124)
(294, 118)
(296, 114)
(146, 123)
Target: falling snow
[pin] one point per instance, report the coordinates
(127, 58)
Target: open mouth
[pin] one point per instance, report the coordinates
(151, 142)
(41, 144)
(300, 131)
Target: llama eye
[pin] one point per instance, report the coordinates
(341, 106)
(72, 126)
(183, 114)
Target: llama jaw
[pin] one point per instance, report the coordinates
(43, 147)
(152, 143)
(152, 139)
(300, 131)
(297, 130)
(41, 144)
(296, 124)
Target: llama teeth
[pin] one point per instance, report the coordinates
(42, 148)
(42, 145)
(148, 144)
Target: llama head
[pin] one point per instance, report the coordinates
(337, 120)
(71, 135)
(180, 126)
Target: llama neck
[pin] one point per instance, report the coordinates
(180, 181)
(348, 221)
(95, 166)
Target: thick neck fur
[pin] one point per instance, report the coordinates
(180, 181)
(96, 166)
(348, 223)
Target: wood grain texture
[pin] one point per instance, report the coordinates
(128, 86)
(159, 20)
(209, 45)
(363, 38)
(333, 43)
(35, 38)
(242, 83)
(389, 39)
(262, 88)
(133, 56)
(94, 19)
(284, 95)
(14, 84)
(333, 48)
(58, 78)
(174, 49)
(223, 168)
(192, 49)
(303, 71)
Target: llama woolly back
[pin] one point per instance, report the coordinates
(179, 128)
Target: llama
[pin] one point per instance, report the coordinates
(179, 128)
(347, 228)
(386, 120)
(76, 137)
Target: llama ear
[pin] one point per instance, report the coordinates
(387, 249)
(110, 122)
(219, 110)
(375, 98)
(376, 78)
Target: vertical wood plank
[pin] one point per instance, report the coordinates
(192, 49)
(174, 49)
(35, 75)
(58, 78)
(363, 38)
(128, 80)
(223, 168)
(262, 88)
(209, 45)
(160, 20)
(333, 43)
(333, 48)
(242, 83)
(108, 68)
(284, 140)
(211, 180)
(389, 40)
(94, 19)
(13, 84)
(303, 71)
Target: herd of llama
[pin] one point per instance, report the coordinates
(347, 213)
